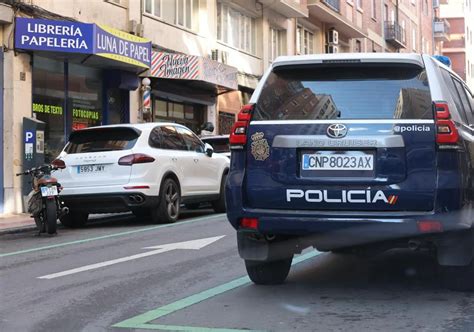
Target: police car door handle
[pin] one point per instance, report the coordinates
(196, 160)
(174, 159)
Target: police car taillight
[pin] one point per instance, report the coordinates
(446, 132)
(238, 134)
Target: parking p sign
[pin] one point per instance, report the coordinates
(29, 137)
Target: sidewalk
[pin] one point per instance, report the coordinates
(16, 222)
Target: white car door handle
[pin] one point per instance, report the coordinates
(196, 160)
(174, 159)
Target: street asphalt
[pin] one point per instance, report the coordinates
(105, 277)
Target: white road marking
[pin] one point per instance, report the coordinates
(193, 245)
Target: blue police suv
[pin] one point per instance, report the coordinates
(354, 153)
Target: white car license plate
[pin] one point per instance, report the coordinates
(351, 160)
(90, 169)
(49, 191)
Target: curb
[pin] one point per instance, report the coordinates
(22, 229)
(14, 230)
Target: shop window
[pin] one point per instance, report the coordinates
(235, 28)
(48, 103)
(189, 115)
(160, 109)
(85, 96)
(188, 112)
(177, 111)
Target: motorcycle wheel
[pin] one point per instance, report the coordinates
(50, 216)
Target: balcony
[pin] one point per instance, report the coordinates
(441, 30)
(395, 34)
(327, 12)
(288, 8)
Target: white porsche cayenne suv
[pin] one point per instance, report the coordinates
(149, 169)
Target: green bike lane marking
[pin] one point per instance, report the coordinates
(112, 235)
(142, 321)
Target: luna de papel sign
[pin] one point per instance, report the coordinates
(86, 38)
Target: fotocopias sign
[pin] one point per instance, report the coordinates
(86, 38)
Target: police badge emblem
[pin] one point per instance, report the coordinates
(260, 147)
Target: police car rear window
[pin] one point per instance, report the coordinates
(102, 139)
(349, 91)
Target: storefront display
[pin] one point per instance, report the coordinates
(82, 75)
(185, 87)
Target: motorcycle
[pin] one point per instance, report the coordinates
(44, 203)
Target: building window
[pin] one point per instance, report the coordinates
(304, 41)
(123, 3)
(358, 46)
(235, 28)
(277, 41)
(374, 9)
(183, 13)
(153, 7)
(359, 4)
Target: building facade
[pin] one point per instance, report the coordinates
(205, 60)
(460, 44)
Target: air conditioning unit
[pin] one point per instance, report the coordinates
(219, 55)
(332, 49)
(132, 27)
(215, 54)
(135, 28)
(332, 37)
(140, 29)
(223, 57)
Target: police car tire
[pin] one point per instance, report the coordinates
(74, 219)
(219, 205)
(268, 273)
(458, 278)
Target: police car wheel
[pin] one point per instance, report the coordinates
(268, 273)
(458, 278)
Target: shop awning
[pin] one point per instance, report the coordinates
(86, 43)
(193, 68)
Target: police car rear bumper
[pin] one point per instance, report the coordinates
(331, 232)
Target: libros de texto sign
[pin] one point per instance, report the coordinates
(85, 38)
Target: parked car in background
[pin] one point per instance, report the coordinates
(220, 143)
(354, 153)
(149, 169)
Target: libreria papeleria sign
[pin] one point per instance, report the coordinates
(86, 38)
